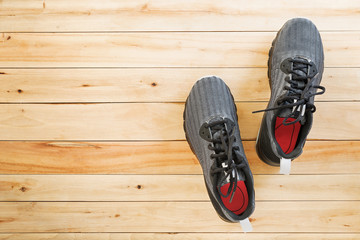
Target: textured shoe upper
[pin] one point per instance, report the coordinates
(299, 37)
(210, 103)
(297, 49)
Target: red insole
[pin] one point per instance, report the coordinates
(240, 200)
(286, 135)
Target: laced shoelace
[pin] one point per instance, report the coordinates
(300, 91)
(223, 147)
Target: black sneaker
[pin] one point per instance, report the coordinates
(212, 131)
(295, 68)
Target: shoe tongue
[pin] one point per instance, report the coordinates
(300, 73)
(300, 77)
(284, 113)
(217, 134)
(241, 176)
(301, 66)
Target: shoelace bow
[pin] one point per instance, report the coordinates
(223, 147)
(300, 91)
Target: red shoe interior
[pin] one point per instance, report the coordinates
(240, 200)
(286, 135)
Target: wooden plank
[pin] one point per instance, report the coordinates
(319, 157)
(176, 49)
(179, 236)
(161, 187)
(313, 216)
(230, 15)
(152, 84)
(97, 158)
(150, 121)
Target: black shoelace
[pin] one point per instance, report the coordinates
(300, 91)
(222, 144)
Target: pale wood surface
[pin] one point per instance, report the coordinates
(99, 89)
(178, 236)
(157, 15)
(169, 187)
(164, 157)
(151, 121)
(159, 49)
(153, 84)
(311, 216)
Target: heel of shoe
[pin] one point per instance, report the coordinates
(264, 150)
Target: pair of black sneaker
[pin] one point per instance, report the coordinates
(295, 68)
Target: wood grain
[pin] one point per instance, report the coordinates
(109, 160)
(153, 84)
(170, 157)
(150, 121)
(313, 216)
(161, 187)
(154, 15)
(178, 236)
(176, 49)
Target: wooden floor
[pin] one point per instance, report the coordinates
(91, 100)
